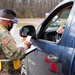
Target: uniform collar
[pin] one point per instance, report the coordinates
(3, 27)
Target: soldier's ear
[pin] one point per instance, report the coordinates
(9, 22)
(6, 21)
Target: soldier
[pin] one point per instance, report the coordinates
(8, 49)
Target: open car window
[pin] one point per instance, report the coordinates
(57, 11)
(59, 20)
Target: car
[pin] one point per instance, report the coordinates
(56, 23)
(51, 58)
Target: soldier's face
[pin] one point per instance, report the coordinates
(10, 25)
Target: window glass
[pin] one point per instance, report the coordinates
(58, 21)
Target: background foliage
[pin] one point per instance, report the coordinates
(29, 8)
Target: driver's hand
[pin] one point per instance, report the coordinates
(28, 43)
(57, 41)
(60, 30)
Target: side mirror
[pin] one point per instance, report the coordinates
(28, 30)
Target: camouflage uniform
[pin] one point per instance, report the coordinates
(8, 50)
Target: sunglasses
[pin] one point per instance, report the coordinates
(14, 20)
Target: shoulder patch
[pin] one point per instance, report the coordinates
(6, 40)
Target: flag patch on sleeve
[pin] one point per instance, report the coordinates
(6, 40)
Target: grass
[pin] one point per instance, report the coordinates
(20, 24)
(63, 22)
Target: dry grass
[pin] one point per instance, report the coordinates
(23, 22)
(30, 21)
(63, 22)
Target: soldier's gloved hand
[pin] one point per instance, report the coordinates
(28, 43)
(25, 47)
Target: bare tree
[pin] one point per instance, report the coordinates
(29, 8)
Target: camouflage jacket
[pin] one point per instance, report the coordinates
(8, 49)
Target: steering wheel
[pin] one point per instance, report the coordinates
(57, 36)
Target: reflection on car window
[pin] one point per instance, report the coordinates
(61, 21)
(56, 22)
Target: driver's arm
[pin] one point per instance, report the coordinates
(60, 30)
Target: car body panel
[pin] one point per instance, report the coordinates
(36, 64)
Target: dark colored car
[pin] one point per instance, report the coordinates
(49, 58)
